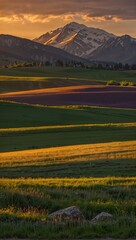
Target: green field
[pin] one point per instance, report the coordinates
(45, 77)
(40, 127)
(79, 73)
(56, 157)
(74, 155)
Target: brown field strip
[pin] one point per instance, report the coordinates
(77, 95)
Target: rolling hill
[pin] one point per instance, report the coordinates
(14, 48)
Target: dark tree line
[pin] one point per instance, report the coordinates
(60, 63)
(113, 66)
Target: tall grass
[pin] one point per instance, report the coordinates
(26, 203)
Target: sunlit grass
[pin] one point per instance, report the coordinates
(27, 202)
(84, 182)
(91, 151)
(103, 159)
(96, 176)
(24, 129)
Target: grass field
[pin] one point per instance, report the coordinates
(45, 77)
(88, 160)
(56, 157)
(79, 73)
(94, 177)
(25, 203)
(32, 127)
(72, 155)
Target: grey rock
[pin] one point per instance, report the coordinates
(103, 217)
(70, 214)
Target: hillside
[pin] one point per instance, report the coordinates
(14, 48)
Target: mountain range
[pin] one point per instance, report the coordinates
(91, 43)
(73, 42)
(121, 49)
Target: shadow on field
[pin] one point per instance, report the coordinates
(118, 97)
(92, 168)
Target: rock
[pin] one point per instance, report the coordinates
(102, 217)
(70, 214)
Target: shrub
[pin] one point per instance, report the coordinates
(112, 82)
(131, 84)
(125, 83)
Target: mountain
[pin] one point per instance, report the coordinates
(76, 39)
(122, 49)
(69, 43)
(15, 48)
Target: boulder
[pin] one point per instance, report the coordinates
(102, 217)
(70, 214)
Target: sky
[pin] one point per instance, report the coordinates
(31, 18)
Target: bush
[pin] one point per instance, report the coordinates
(131, 84)
(112, 82)
(125, 83)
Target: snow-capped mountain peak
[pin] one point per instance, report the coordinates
(76, 38)
(120, 49)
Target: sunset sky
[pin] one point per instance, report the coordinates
(31, 18)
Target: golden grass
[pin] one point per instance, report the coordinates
(68, 182)
(55, 155)
(31, 213)
(23, 129)
(33, 78)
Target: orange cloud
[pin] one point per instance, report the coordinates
(88, 18)
(35, 18)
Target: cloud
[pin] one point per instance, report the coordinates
(88, 18)
(35, 18)
(47, 10)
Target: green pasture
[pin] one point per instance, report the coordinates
(66, 126)
(80, 73)
(56, 157)
(45, 77)
(13, 141)
(16, 115)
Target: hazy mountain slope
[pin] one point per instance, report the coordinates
(76, 39)
(7, 58)
(122, 49)
(24, 49)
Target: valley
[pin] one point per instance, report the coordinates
(68, 120)
(66, 139)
